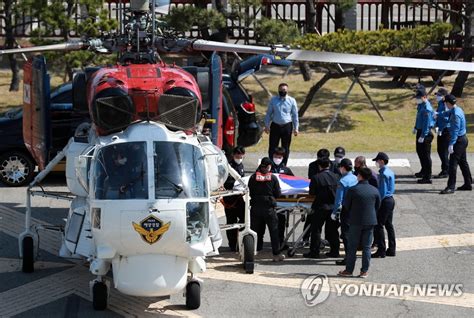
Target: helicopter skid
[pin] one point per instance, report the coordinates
(150, 275)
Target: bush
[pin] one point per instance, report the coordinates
(381, 42)
(270, 31)
(183, 19)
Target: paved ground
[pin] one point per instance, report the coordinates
(435, 245)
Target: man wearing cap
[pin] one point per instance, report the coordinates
(264, 189)
(281, 120)
(323, 186)
(424, 137)
(442, 130)
(339, 154)
(385, 212)
(347, 181)
(457, 147)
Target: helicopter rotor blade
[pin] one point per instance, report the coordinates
(67, 46)
(329, 57)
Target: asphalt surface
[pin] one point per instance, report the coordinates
(435, 239)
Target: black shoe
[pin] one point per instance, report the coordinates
(332, 255)
(442, 175)
(377, 255)
(424, 181)
(390, 253)
(341, 262)
(466, 187)
(418, 175)
(447, 191)
(312, 255)
(284, 247)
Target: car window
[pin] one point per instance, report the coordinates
(63, 98)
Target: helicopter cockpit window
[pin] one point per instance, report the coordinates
(120, 172)
(179, 171)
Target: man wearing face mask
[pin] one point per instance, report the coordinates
(323, 186)
(442, 130)
(313, 167)
(281, 121)
(234, 205)
(278, 166)
(424, 137)
(457, 147)
(387, 205)
(264, 189)
(339, 154)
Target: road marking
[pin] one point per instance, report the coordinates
(434, 241)
(289, 280)
(304, 162)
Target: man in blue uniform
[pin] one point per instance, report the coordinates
(385, 212)
(234, 205)
(281, 121)
(457, 147)
(442, 129)
(339, 154)
(424, 137)
(347, 181)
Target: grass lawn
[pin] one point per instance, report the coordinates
(358, 127)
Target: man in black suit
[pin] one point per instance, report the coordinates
(361, 202)
(323, 186)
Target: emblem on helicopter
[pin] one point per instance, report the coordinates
(151, 229)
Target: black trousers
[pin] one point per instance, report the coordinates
(442, 143)
(234, 213)
(283, 133)
(261, 217)
(321, 217)
(282, 220)
(458, 157)
(345, 237)
(424, 154)
(385, 219)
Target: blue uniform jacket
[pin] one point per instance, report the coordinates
(386, 182)
(424, 118)
(457, 122)
(442, 121)
(347, 181)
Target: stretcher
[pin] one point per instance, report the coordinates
(299, 208)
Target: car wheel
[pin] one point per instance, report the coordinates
(16, 169)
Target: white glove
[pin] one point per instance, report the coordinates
(414, 131)
(436, 129)
(421, 140)
(451, 149)
(333, 217)
(440, 133)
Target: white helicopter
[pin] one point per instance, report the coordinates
(143, 177)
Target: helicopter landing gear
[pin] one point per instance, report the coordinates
(28, 251)
(100, 293)
(248, 243)
(193, 294)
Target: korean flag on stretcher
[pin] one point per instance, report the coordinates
(289, 185)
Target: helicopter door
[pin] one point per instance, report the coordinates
(36, 116)
(215, 99)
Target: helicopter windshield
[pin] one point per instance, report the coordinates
(120, 172)
(179, 170)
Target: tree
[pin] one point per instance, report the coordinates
(341, 7)
(9, 7)
(468, 19)
(58, 16)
